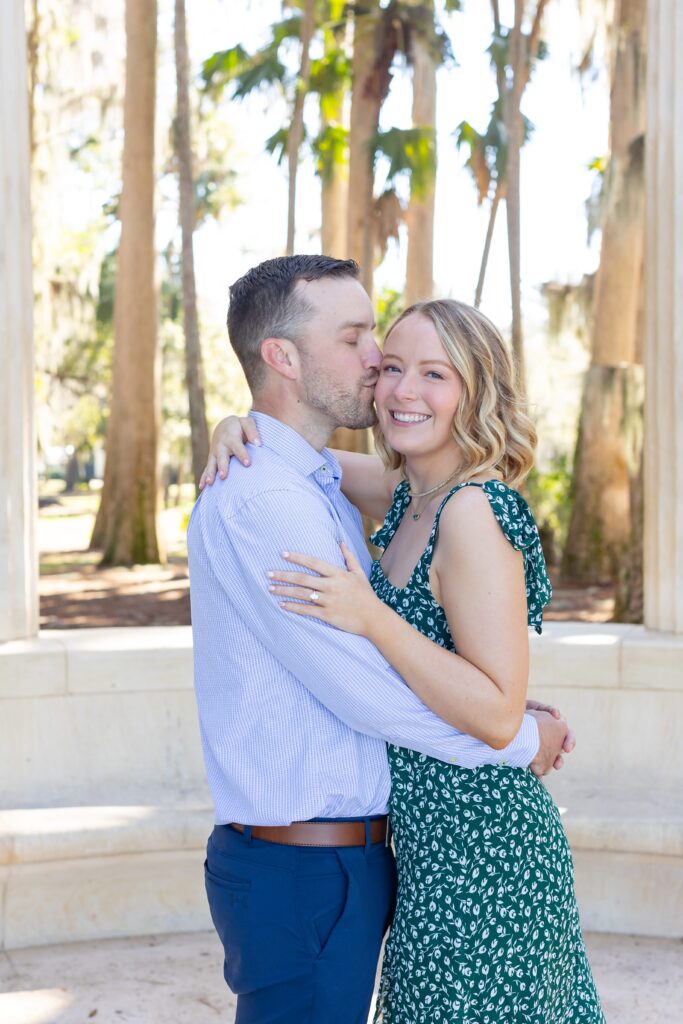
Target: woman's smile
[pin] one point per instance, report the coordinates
(408, 419)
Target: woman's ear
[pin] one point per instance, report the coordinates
(281, 355)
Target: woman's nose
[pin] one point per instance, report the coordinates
(404, 387)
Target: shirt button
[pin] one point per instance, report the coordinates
(324, 468)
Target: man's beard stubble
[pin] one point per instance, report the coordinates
(343, 405)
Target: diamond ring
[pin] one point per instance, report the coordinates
(313, 596)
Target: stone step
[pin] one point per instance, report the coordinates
(83, 873)
(628, 856)
(79, 873)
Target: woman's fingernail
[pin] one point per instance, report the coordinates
(271, 589)
(247, 462)
(270, 575)
(285, 554)
(258, 441)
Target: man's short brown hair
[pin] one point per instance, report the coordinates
(264, 304)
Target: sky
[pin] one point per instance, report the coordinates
(571, 123)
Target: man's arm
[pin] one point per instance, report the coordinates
(343, 671)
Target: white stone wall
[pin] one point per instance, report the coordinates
(104, 809)
(108, 715)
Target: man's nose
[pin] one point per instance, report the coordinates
(372, 357)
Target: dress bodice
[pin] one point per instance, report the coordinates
(416, 603)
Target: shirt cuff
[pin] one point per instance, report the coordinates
(523, 749)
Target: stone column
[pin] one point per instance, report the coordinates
(663, 455)
(18, 555)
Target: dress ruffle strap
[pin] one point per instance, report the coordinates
(515, 519)
(401, 498)
(519, 526)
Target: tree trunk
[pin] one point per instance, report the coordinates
(366, 101)
(495, 202)
(32, 45)
(194, 375)
(598, 537)
(126, 521)
(420, 213)
(515, 138)
(629, 603)
(334, 190)
(296, 128)
(334, 201)
(350, 440)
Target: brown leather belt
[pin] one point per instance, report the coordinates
(320, 833)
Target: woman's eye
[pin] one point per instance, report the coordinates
(388, 368)
(434, 373)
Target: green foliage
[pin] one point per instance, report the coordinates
(410, 151)
(549, 495)
(389, 304)
(329, 74)
(247, 72)
(277, 144)
(329, 148)
(487, 160)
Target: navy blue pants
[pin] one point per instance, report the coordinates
(301, 927)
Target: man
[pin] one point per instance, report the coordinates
(295, 715)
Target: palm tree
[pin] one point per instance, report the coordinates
(125, 527)
(194, 376)
(514, 53)
(420, 212)
(607, 460)
(246, 73)
(330, 77)
(295, 136)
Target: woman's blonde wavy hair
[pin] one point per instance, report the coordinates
(491, 426)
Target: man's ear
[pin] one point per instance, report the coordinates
(281, 355)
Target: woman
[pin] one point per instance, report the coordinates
(486, 929)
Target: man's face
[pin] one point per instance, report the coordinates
(339, 355)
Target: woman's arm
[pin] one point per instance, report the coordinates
(365, 482)
(479, 581)
(482, 689)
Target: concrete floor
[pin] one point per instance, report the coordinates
(176, 979)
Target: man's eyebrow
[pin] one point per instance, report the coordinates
(358, 325)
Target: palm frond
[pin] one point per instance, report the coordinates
(411, 152)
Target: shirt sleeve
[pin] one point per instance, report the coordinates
(345, 672)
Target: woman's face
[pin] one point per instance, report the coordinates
(418, 389)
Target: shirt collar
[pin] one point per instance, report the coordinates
(294, 448)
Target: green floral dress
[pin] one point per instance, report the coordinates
(486, 929)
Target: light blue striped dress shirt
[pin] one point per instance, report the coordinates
(294, 714)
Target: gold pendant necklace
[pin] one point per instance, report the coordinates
(432, 490)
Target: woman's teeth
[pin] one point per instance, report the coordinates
(408, 417)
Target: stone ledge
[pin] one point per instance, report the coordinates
(637, 822)
(595, 819)
(582, 655)
(78, 873)
(65, 833)
(104, 897)
(33, 668)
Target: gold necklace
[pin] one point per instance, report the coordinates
(425, 494)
